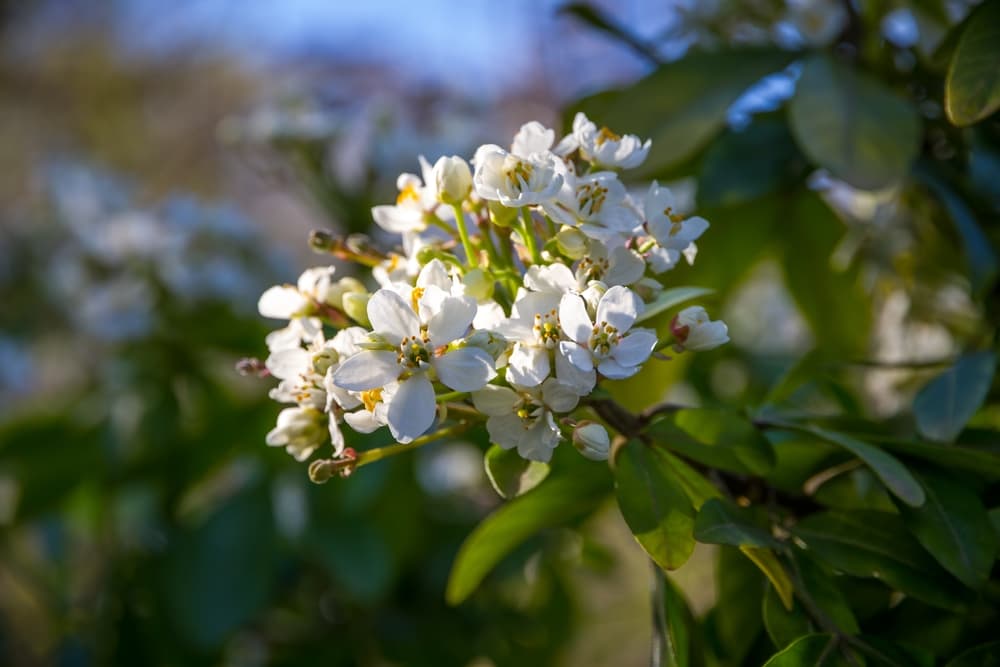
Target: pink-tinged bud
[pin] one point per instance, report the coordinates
(694, 331)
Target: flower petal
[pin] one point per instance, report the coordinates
(537, 443)
(576, 354)
(367, 370)
(581, 382)
(412, 409)
(452, 319)
(505, 430)
(527, 365)
(635, 347)
(282, 302)
(465, 369)
(610, 368)
(495, 401)
(559, 396)
(619, 307)
(573, 318)
(391, 316)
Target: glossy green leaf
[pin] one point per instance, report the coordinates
(972, 89)
(876, 544)
(956, 456)
(816, 650)
(561, 499)
(984, 655)
(742, 165)
(886, 467)
(826, 592)
(655, 505)
(695, 485)
(677, 627)
(853, 125)
(510, 474)
(715, 437)
(734, 623)
(719, 521)
(946, 403)
(669, 298)
(783, 625)
(955, 528)
(683, 104)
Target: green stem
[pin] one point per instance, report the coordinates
(463, 233)
(528, 234)
(451, 396)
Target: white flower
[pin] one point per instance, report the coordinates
(533, 137)
(299, 430)
(522, 418)
(670, 229)
(607, 149)
(315, 287)
(694, 331)
(453, 179)
(515, 180)
(592, 440)
(417, 198)
(606, 344)
(414, 345)
(618, 266)
(596, 203)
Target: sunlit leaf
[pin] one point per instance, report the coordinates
(972, 89)
(715, 437)
(820, 650)
(511, 474)
(559, 500)
(655, 505)
(768, 563)
(669, 298)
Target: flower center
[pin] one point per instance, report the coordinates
(413, 351)
(591, 197)
(408, 194)
(546, 328)
(602, 338)
(371, 398)
(519, 174)
(606, 135)
(592, 269)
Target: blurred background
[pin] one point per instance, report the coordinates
(164, 163)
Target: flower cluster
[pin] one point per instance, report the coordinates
(518, 285)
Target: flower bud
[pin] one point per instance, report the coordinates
(453, 179)
(592, 440)
(571, 242)
(592, 295)
(299, 430)
(478, 285)
(493, 343)
(500, 215)
(356, 307)
(694, 331)
(335, 292)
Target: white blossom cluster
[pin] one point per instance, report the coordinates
(516, 288)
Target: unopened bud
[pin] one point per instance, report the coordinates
(493, 343)
(335, 292)
(647, 289)
(592, 440)
(322, 241)
(571, 242)
(356, 307)
(500, 215)
(478, 285)
(592, 295)
(694, 331)
(453, 179)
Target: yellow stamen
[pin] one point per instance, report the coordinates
(371, 397)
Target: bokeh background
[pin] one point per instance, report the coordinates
(163, 164)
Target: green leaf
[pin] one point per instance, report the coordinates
(655, 505)
(741, 166)
(721, 522)
(683, 104)
(768, 563)
(510, 474)
(678, 626)
(783, 625)
(817, 650)
(955, 528)
(825, 593)
(734, 623)
(853, 125)
(946, 404)
(561, 499)
(831, 298)
(886, 467)
(983, 463)
(715, 437)
(984, 655)
(876, 544)
(697, 488)
(669, 298)
(972, 88)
